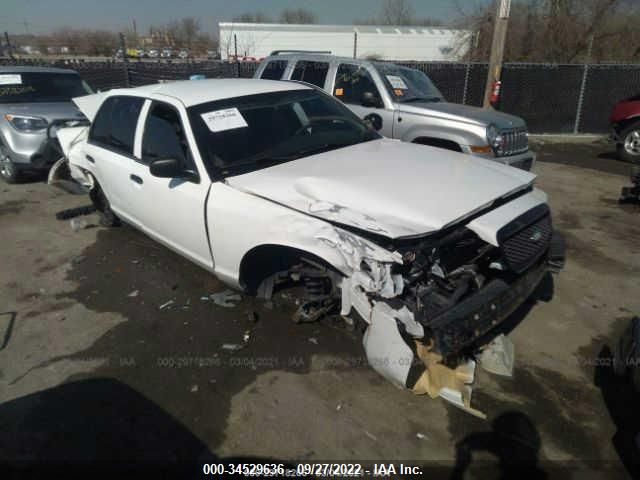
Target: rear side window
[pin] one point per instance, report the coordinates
(314, 73)
(274, 70)
(351, 82)
(115, 124)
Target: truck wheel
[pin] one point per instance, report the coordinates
(8, 170)
(629, 148)
(100, 201)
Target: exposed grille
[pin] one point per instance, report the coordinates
(515, 141)
(522, 249)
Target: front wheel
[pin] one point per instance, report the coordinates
(629, 148)
(100, 201)
(8, 170)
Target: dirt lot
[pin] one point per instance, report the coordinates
(91, 369)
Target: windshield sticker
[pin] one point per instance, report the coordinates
(11, 79)
(221, 120)
(6, 91)
(397, 82)
(339, 92)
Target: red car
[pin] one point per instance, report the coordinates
(625, 126)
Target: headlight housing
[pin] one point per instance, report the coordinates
(26, 123)
(495, 139)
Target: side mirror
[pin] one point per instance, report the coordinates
(370, 100)
(169, 168)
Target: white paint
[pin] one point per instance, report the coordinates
(10, 79)
(222, 120)
(387, 187)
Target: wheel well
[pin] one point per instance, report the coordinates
(439, 143)
(626, 123)
(265, 260)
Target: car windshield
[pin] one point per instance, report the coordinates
(408, 85)
(244, 134)
(41, 87)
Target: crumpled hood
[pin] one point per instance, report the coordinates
(463, 113)
(386, 187)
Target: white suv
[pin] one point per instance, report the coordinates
(269, 183)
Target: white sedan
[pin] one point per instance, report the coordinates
(270, 184)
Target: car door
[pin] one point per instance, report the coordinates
(172, 210)
(109, 151)
(352, 84)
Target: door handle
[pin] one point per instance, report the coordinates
(90, 158)
(136, 179)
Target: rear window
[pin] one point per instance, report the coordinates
(115, 124)
(314, 73)
(274, 70)
(41, 87)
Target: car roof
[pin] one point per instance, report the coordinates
(28, 69)
(317, 57)
(195, 92)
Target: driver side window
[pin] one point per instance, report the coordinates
(352, 81)
(164, 137)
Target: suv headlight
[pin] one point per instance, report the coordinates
(26, 123)
(495, 139)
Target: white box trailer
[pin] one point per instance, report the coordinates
(258, 40)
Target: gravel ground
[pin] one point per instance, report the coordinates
(91, 366)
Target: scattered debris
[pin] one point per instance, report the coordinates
(313, 340)
(75, 212)
(226, 298)
(498, 356)
(135, 262)
(194, 388)
(247, 336)
(78, 224)
(78, 259)
(166, 305)
(204, 299)
(134, 294)
(421, 436)
(338, 407)
(371, 436)
(232, 347)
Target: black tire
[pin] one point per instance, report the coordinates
(8, 170)
(622, 351)
(100, 201)
(629, 147)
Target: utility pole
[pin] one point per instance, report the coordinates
(125, 60)
(497, 49)
(355, 44)
(235, 47)
(9, 49)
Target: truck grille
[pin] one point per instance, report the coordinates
(523, 248)
(515, 141)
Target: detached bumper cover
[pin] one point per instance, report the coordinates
(471, 319)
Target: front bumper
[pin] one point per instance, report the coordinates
(523, 161)
(473, 318)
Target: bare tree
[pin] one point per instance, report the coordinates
(297, 15)
(396, 12)
(189, 30)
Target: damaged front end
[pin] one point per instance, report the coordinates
(433, 312)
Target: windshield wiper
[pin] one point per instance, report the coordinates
(421, 99)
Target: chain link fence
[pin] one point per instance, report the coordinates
(552, 98)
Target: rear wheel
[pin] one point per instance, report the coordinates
(100, 201)
(8, 171)
(629, 147)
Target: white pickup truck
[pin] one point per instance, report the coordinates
(269, 183)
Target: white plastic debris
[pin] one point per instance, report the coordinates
(78, 224)
(226, 298)
(194, 388)
(498, 357)
(232, 347)
(371, 436)
(313, 340)
(166, 305)
(421, 436)
(134, 294)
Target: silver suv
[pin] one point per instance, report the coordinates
(32, 101)
(403, 103)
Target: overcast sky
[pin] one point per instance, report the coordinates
(46, 15)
